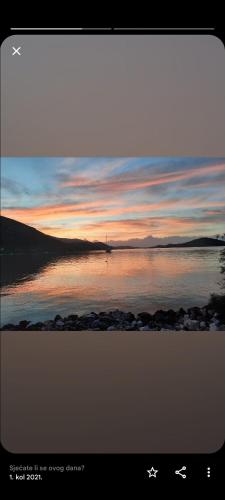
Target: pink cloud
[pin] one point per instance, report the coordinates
(129, 181)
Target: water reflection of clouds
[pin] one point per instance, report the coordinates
(94, 274)
(133, 280)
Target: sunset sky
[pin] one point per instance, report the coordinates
(123, 197)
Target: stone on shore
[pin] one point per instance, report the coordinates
(194, 319)
(145, 317)
(191, 324)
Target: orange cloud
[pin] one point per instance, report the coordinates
(47, 218)
(140, 228)
(92, 209)
(53, 212)
(90, 218)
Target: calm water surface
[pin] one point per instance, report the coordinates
(39, 287)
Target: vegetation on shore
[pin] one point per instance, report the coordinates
(217, 301)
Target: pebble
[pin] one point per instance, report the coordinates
(57, 317)
(95, 323)
(213, 327)
(59, 323)
(145, 317)
(191, 324)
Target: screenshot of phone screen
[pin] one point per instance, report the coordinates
(112, 253)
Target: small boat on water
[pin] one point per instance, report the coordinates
(108, 250)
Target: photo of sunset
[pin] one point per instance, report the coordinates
(111, 236)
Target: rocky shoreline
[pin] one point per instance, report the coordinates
(192, 319)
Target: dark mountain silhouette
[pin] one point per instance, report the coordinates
(18, 237)
(199, 242)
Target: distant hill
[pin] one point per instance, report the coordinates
(199, 242)
(19, 237)
(148, 241)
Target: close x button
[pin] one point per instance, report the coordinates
(16, 51)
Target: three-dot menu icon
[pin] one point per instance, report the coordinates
(208, 472)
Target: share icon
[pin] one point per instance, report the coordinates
(179, 472)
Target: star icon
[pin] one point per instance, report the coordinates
(152, 472)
